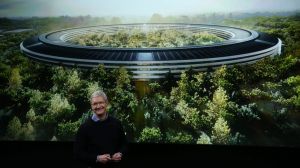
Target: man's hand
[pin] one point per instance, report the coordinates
(103, 158)
(117, 157)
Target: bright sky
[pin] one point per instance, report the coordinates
(11, 8)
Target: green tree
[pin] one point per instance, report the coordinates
(152, 135)
(179, 137)
(73, 81)
(91, 88)
(191, 116)
(27, 132)
(185, 90)
(59, 109)
(220, 78)
(15, 81)
(221, 132)
(218, 106)
(123, 78)
(156, 110)
(123, 100)
(286, 65)
(59, 78)
(230, 79)
(30, 115)
(67, 130)
(67, 81)
(36, 75)
(204, 139)
(104, 77)
(294, 81)
(39, 101)
(17, 131)
(249, 112)
(13, 129)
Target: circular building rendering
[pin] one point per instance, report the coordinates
(239, 46)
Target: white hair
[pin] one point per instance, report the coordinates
(99, 93)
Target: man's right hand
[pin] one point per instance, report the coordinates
(103, 158)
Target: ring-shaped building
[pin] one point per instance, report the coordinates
(240, 46)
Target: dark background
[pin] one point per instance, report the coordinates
(60, 154)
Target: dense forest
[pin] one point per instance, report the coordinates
(256, 104)
(137, 38)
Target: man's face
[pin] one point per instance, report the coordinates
(99, 105)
